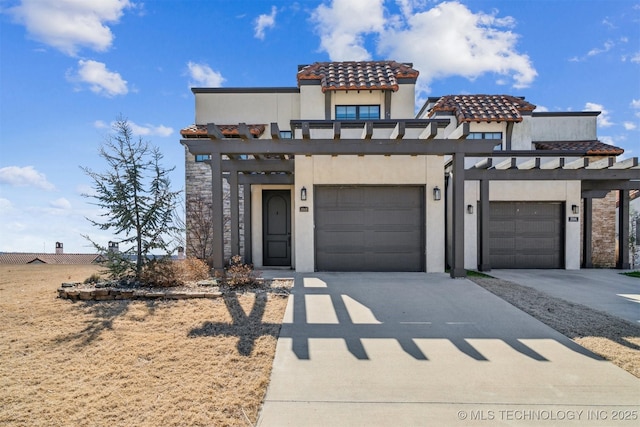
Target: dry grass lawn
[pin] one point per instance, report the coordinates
(130, 363)
(610, 337)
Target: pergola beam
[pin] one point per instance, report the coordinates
(552, 174)
(345, 147)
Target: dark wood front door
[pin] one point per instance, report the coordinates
(276, 227)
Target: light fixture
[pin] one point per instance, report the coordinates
(469, 209)
(436, 193)
(575, 209)
(303, 193)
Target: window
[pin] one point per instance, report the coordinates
(203, 157)
(488, 135)
(357, 112)
(286, 134)
(485, 135)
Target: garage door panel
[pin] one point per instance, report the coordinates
(378, 229)
(526, 235)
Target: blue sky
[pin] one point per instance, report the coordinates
(68, 68)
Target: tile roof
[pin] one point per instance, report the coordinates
(357, 75)
(590, 148)
(483, 108)
(200, 131)
(29, 258)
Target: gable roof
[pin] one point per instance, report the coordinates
(357, 75)
(29, 258)
(590, 148)
(483, 108)
(200, 131)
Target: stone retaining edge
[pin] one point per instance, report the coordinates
(122, 294)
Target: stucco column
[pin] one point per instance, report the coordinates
(457, 261)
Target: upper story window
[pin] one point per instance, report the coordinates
(485, 135)
(286, 134)
(357, 112)
(203, 157)
(488, 135)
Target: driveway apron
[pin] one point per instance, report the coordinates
(415, 349)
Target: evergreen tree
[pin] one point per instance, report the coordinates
(135, 194)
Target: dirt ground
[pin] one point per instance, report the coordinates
(123, 363)
(610, 337)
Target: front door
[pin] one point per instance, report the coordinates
(276, 227)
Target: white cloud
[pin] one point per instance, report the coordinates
(603, 119)
(446, 40)
(203, 75)
(26, 176)
(607, 140)
(265, 21)
(541, 109)
(101, 81)
(635, 103)
(60, 203)
(99, 124)
(450, 40)
(636, 58)
(343, 24)
(598, 50)
(629, 125)
(150, 130)
(68, 25)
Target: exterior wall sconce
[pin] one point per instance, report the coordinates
(469, 209)
(437, 195)
(303, 193)
(575, 209)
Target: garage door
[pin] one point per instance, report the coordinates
(369, 228)
(526, 235)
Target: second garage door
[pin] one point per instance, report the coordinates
(526, 235)
(369, 228)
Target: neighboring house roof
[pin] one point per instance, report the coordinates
(357, 75)
(200, 131)
(483, 108)
(590, 148)
(29, 258)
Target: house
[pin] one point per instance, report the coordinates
(340, 174)
(59, 257)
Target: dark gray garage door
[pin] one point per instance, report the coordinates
(526, 235)
(369, 228)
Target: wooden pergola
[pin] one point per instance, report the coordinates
(249, 160)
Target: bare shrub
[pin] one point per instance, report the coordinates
(94, 278)
(239, 274)
(160, 272)
(192, 269)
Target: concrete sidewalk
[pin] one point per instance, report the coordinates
(601, 289)
(414, 349)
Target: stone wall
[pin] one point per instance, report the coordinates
(604, 231)
(198, 185)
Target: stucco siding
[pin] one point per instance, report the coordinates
(252, 108)
(567, 192)
(563, 128)
(368, 170)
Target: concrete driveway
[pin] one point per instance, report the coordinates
(415, 349)
(601, 289)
